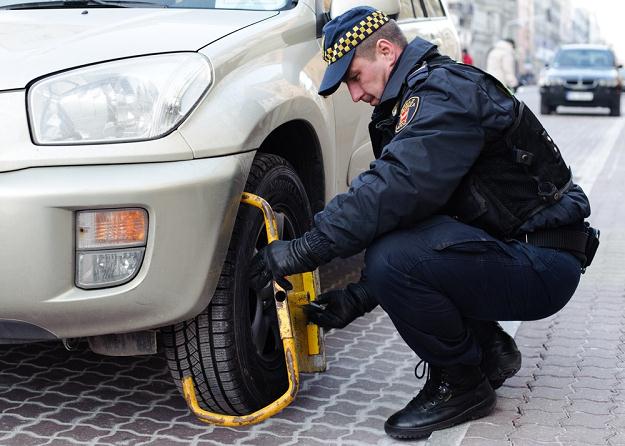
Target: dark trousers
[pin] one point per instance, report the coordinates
(434, 278)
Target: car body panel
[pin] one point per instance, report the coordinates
(183, 256)
(36, 43)
(266, 68)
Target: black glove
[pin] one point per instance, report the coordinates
(337, 308)
(283, 258)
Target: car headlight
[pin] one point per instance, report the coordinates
(126, 100)
(551, 81)
(613, 82)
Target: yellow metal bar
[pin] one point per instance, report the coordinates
(286, 334)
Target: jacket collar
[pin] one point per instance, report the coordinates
(413, 54)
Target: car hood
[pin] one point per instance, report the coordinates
(587, 73)
(34, 43)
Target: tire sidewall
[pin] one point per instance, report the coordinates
(282, 188)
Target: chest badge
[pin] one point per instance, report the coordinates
(408, 111)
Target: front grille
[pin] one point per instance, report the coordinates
(581, 84)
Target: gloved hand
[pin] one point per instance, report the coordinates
(337, 308)
(282, 258)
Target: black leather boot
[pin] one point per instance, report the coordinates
(501, 359)
(450, 396)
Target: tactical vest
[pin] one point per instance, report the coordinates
(514, 177)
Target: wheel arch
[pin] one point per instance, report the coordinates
(307, 159)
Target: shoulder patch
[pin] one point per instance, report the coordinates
(408, 111)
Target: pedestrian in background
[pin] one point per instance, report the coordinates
(501, 63)
(466, 57)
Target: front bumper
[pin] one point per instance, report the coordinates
(560, 95)
(191, 206)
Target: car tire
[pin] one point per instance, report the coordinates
(545, 109)
(232, 349)
(615, 110)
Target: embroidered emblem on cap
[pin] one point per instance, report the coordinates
(408, 111)
(356, 35)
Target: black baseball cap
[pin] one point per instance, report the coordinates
(341, 36)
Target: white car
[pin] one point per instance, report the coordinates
(128, 131)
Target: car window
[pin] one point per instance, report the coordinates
(406, 10)
(418, 8)
(584, 58)
(434, 8)
(409, 9)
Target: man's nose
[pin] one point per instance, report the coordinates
(355, 91)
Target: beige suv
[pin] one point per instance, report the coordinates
(128, 131)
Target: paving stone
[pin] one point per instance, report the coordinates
(323, 432)
(480, 441)
(540, 417)
(9, 422)
(594, 383)
(538, 391)
(537, 442)
(29, 410)
(21, 439)
(596, 395)
(124, 437)
(592, 407)
(83, 434)
(365, 435)
(534, 431)
(309, 441)
(581, 419)
(485, 429)
(618, 438)
(583, 436)
(225, 435)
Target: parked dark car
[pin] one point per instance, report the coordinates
(582, 75)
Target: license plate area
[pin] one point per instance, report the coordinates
(579, 96)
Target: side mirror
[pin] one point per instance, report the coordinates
(389, 7)
(619, 66)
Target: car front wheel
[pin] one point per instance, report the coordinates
(232, 349)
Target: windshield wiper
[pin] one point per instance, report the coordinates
(84, 4)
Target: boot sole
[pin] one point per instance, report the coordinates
(497, 377)
(480, 410)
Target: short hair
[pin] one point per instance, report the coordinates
(389, 31)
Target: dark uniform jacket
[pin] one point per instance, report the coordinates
(429, 132)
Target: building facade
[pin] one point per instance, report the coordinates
(538, 27)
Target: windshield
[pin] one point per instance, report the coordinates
(263, 5)
(581, 58)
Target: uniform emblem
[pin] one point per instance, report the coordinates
(408, 111)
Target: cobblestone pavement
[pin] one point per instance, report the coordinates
(570, 390)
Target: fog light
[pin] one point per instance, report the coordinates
(110, 245)
(111, 228)
(99, 269)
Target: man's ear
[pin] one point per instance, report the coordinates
(387, 49)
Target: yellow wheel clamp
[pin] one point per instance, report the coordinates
(302, 341)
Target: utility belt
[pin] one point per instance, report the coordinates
(582, 242)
